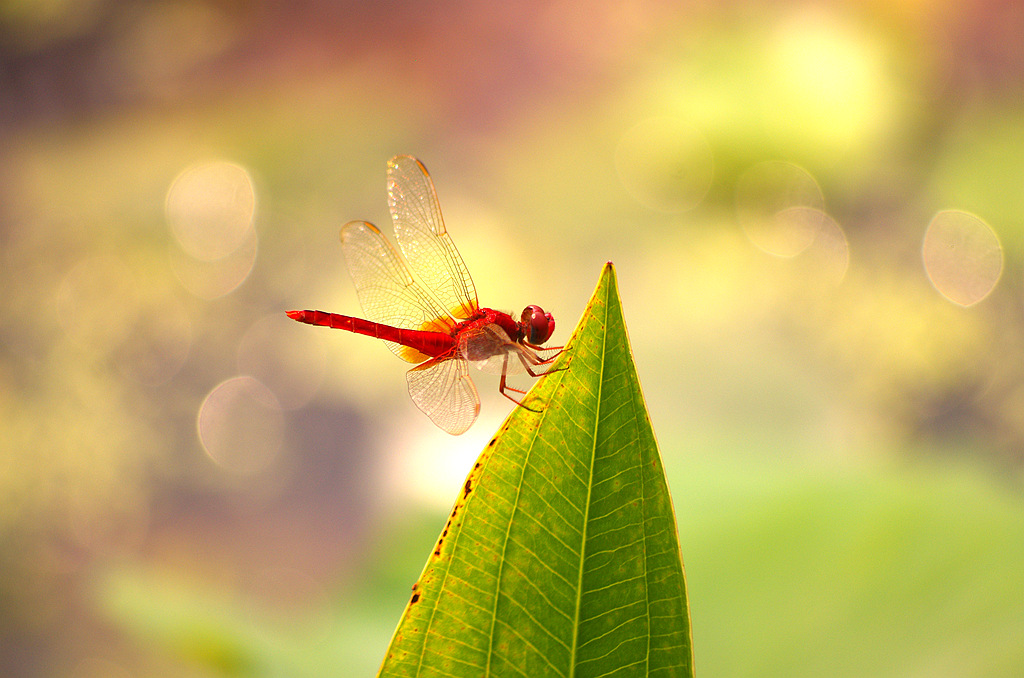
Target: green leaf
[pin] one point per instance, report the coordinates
(560, 557)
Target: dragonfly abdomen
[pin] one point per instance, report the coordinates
(430, 344)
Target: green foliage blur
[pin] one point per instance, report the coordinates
(192, 484)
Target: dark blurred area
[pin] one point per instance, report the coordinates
(816, 211)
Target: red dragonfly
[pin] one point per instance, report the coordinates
(434, 319)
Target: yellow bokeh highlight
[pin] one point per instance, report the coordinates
(962, 256)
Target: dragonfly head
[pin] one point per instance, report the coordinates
(537, 325)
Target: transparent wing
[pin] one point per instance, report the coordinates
(427, 247)
(387, 292)
(444, 391)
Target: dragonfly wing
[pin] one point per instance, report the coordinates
(427, 247)
(387, 291)
(444, 391)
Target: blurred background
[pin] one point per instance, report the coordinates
(816, 213)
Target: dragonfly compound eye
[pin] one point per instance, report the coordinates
(540, 325)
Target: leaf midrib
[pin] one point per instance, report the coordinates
(586, 508)
(501, 561)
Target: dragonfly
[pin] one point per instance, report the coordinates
(425, 308)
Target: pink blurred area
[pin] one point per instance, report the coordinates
(467, 63)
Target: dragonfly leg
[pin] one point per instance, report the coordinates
(503, 386)
(531, 359)
(543, 361)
